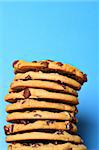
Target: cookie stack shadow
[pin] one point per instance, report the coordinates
(42, 106)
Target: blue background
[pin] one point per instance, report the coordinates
(61, 31)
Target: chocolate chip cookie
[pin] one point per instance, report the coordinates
(47, 85)
(50, 66)
(40, 146)
(42, 110)
(40, 115)
(41, 94)
(26, 125)
(31, 75)
(56, 136)
(27, 104)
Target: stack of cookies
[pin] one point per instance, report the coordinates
(42, 110)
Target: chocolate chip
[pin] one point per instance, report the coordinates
(49, 60)
(62, 84)
(59, 63)
(69, 126)
(14, 143)
(74, 71)
(37, 115)
(49, 122)
(8, 129)
(26, 93)
(85, 77)
(28, 77)
(15, 62)
(34, 61)
(58, 81)
(59, 132)
(73, 119)
(45, 64)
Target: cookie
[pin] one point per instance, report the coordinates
(40, 125)
(47, 85)
(31, 75)
(40, 146)
(40, 115)
(41, 94)
(56, 136)
(36, 104)
(50, 66)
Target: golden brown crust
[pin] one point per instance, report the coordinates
(36, 104)
(40, 115)
(40, 125)
(31, 75)
(47, 85)
(40, 146)
(58, 135)
(46, 65)
(41, 94)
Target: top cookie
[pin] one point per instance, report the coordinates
(50, 66)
